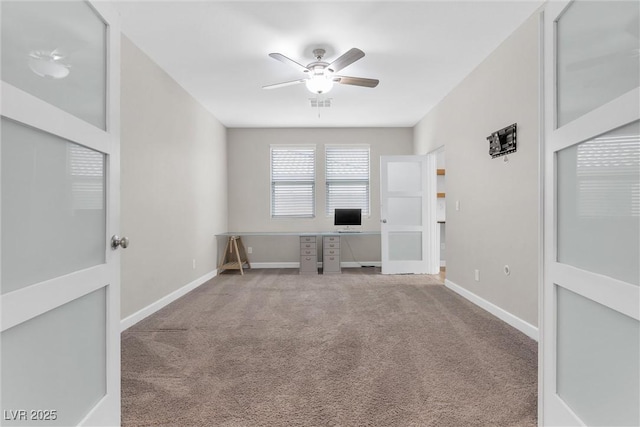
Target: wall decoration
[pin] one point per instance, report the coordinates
(503, 141)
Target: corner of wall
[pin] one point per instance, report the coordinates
(497, 223)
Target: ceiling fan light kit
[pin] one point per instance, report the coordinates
(47, 64)
(321, 74)
(319, 84)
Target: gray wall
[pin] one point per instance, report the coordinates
(250, 188)
(498, 220)
(174, 183)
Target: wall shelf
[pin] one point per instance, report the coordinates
(440, 171)
(441, 196)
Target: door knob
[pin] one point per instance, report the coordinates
(119, 241)
(384, 221)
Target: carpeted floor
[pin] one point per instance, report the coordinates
(272, 348)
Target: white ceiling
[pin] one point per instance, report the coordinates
(419, 50)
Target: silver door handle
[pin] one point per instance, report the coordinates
(119, 241)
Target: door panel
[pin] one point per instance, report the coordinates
(405, 246)
(53, 198)
(590, 297)
(59, 181)
(599, 204)
(404, 176)
(58, 39)
(404, 210)
(597, 45)
(592, 364)
(72, 378)
(408, 229)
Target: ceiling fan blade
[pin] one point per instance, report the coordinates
(280, 57)
(348, 58)
(283, 84)
(357, 81)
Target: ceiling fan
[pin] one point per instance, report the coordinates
(320, 75)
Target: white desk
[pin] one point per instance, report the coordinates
(309, 243)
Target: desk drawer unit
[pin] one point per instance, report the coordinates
(308, 255)
(331, 242)
(331, 255)
(307, 252)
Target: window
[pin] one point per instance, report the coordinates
(347, 171)
(293, 187)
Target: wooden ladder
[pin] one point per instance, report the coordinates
(234, 256)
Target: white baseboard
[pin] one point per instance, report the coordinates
(297, 264)
(524, 327)
(131, 320)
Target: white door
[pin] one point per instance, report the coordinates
(59, 172)
(590, 325)
(407, 215)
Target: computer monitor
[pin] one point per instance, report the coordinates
(347, 217)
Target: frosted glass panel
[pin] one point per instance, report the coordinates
(405, 246)
(404, 176)
(599, 204)
(404, 210)
(598, 361)
(597, 55)
(53, 206)
(55, 362)
(56, 51)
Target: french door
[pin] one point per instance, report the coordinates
(590, 327)
(59, 173)
(407, 215)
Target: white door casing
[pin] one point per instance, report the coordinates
(590, 299)
(407, 212)
(60, 326)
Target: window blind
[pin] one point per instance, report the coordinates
(293, 182)
(86, 170)
(608, 168)
(347, 175)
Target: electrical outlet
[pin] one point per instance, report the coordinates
(194, 264)
(457, 205)
(249, 250)
(477, 275)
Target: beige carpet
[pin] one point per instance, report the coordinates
(273, 348)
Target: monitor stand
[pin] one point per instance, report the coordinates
(348, 229)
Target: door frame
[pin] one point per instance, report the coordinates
(436, 203)
(612, 293)
(26, 303)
